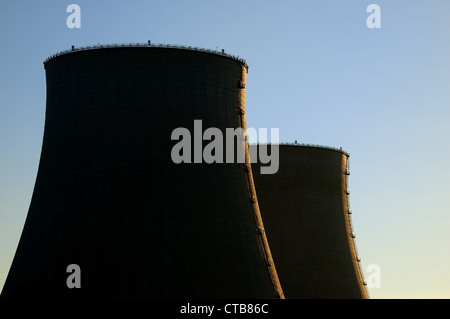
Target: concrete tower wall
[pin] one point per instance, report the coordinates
(109, 198)
(305, 209)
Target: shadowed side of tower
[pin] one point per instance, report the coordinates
(306, 216)
(109, 198)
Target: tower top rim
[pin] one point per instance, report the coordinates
(149, 44)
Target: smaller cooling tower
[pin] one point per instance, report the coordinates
(306, 215)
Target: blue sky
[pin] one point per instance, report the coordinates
(316, 72)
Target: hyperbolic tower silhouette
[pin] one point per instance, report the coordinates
(306, 213)
(109, 198)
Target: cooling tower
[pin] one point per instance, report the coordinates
(109, 198)
(306, 214)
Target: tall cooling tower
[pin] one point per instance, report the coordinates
(306, 214)
(109, 198)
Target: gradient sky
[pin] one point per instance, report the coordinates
(316, 72)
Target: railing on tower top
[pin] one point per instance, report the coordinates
(148, 44)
